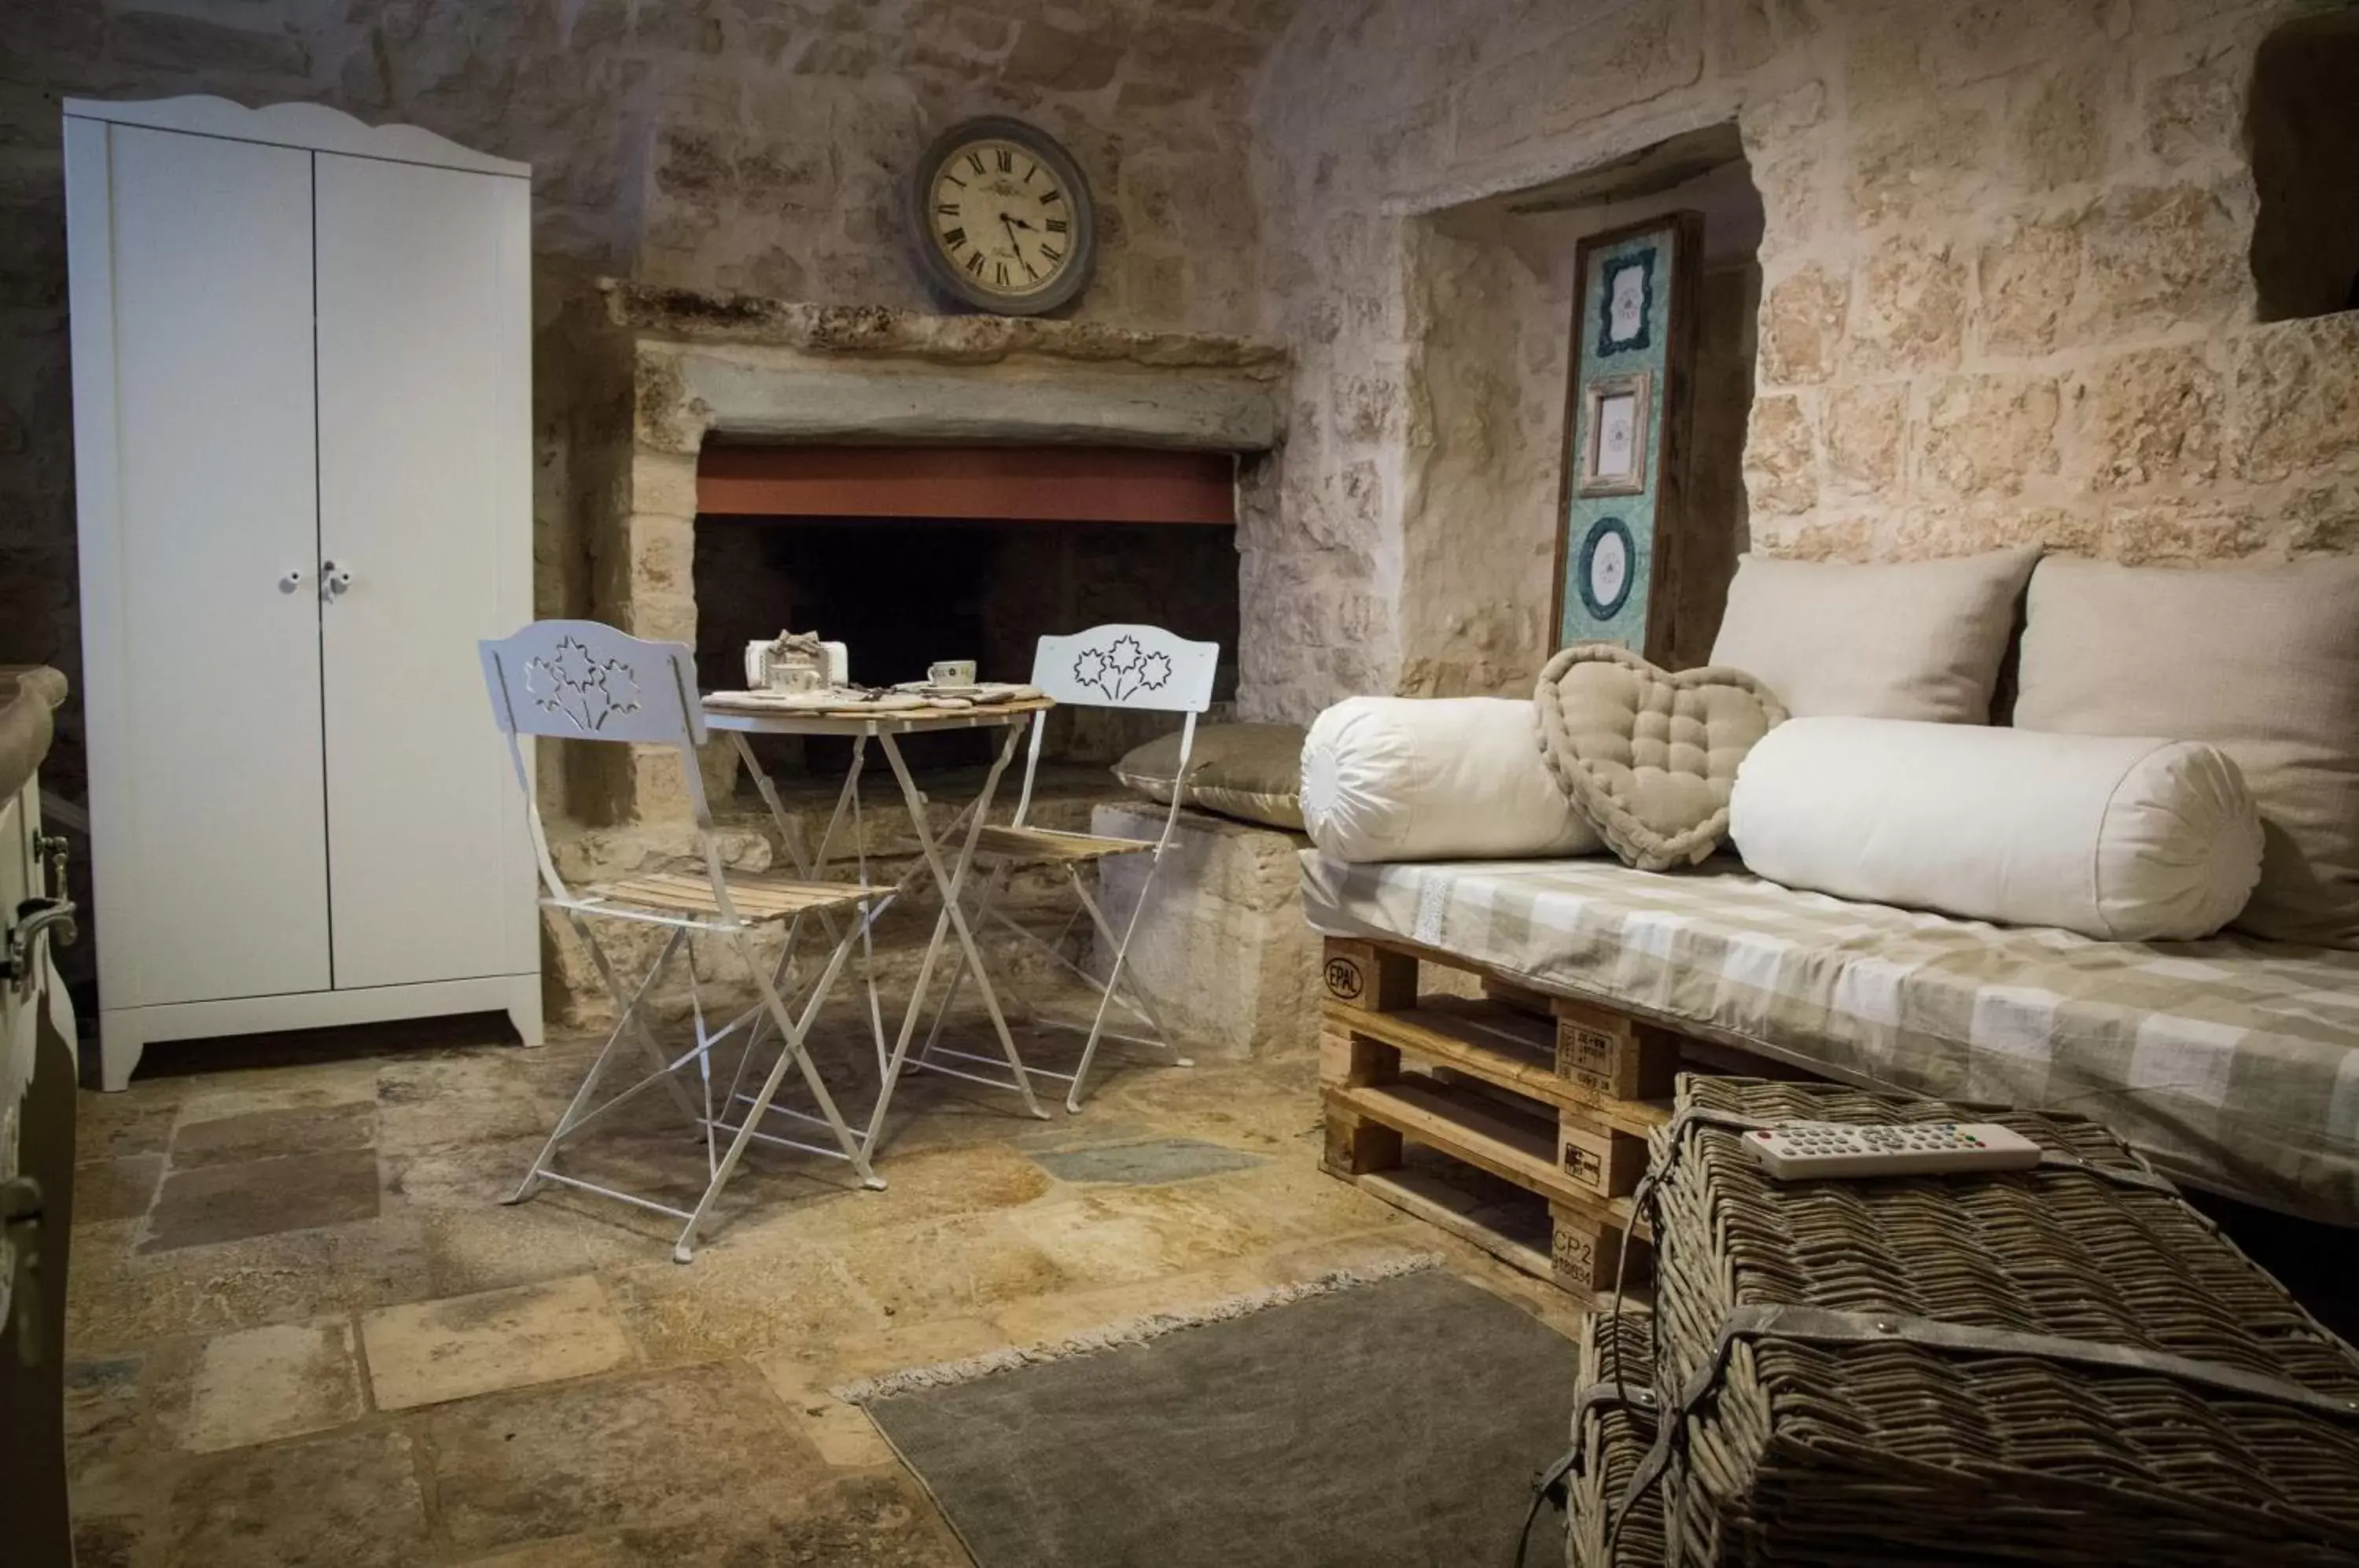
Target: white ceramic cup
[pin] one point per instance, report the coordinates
(951, 672)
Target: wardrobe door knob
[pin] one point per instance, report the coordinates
(336, 578)
(290, 581)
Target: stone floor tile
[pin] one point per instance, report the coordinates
(428, 1352)
(636, 1450)
(105, 1404)
(1047, 1320)
(1110, 1235)
(119, 1298)
(345, 1500)
(272, 1133)
(282, 1380)
(1152, 1162)
(734, 1303)
(952, 1268)
(859, 1521)
(492, 1247)
(440, 1101)
(229, 1202)
(116, 1189)
(213, 1096)
(138, 1120)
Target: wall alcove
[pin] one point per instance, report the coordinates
(2301, 125)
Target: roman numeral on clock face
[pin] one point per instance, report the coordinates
(1052, 253)
(975, 264)
(947, 209)
(1058, 225)
(974, 161)
(953, 237)
(1006, 162)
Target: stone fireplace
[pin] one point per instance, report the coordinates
(882, 438)
(681, 382)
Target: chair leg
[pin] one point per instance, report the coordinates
(993, 886)
(1113, 979)
(1141, 1005)
(589, 1082)
(793, 1050)
(628, 1010)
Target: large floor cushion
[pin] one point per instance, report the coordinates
(1251, 772)
(2260, 661)
(2233, 1063)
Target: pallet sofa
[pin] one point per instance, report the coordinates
(2231, 1063)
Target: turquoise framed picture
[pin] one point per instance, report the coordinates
(1625, 432)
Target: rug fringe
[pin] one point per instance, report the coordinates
(1127, 1331)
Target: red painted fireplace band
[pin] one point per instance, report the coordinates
(1079, 484)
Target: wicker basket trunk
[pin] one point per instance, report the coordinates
(2066, 1365)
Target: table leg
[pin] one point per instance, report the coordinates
(952, 884)
(814, 869)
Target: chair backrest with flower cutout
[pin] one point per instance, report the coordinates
(585, 680)
(1124, 665)
(1119, 666)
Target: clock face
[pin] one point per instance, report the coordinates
(1004, 217)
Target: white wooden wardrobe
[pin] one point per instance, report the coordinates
(302, 388)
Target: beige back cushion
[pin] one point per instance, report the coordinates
(2262, 662)
(1913, 640)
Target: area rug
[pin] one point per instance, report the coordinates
(1369, 1423)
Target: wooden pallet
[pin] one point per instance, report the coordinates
(1553, 1096)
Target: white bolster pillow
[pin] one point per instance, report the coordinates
(2125, 840)
(1435, 778)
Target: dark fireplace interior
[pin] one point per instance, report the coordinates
(903, 593)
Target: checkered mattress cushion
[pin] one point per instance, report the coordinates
(2231, 1063)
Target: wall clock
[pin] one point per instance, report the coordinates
(1003, 218)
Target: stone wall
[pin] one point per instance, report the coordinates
(749, 145)
(2005, 295)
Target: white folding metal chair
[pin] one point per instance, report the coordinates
(1113, 666)
(585, 680)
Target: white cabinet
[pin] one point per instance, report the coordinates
(302, 365)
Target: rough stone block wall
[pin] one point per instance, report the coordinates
(2004, 292)
(744, 145)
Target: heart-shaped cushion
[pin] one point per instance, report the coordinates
(1649, 755)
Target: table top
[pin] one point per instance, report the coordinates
(868, 721)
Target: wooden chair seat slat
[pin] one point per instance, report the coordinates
(760, 897)
(1044, 844)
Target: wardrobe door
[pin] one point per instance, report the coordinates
(425, 502)
(191, 267)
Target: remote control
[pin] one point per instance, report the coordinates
(1800, 1150)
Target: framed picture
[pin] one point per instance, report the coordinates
(1614, 424)
(1628, 392)
(1626, 319)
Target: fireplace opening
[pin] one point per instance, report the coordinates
(915, 555)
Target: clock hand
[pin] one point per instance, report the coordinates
(1013, 243)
